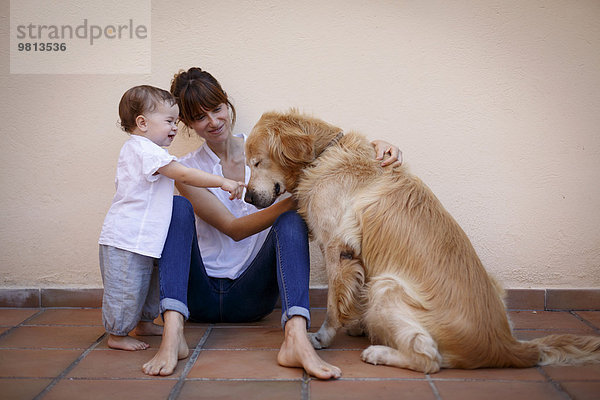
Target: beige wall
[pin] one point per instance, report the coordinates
(495, 105)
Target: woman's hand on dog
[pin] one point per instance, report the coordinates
(387, 153)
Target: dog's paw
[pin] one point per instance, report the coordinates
(375, 355)
(383, 355)
(315, 340)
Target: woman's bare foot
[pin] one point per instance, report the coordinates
(296, 351)
(126, 343)
(173, 347)
(148, 328)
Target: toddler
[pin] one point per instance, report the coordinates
(135, 228)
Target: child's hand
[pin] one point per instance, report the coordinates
(235, 188)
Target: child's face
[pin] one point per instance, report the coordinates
(161, 124)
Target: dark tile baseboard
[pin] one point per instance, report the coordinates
(48, 297)
(524, 299)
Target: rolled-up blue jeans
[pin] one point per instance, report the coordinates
(280, 269)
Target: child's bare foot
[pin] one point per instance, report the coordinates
(296, 351)
(148, 328)
(172, 348)
(126, 343)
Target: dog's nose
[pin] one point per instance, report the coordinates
(249, 197)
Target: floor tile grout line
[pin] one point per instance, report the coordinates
(434, 388)
(372, 379)
(465, 380)
(469, 380)
(243, 349)
(14, 327)
(271, 327)
(70, 367)
(176, 390)
(72, 308)
(585, 321)
(305, 386)
(273, 349)
(65, 325)
(497, 380)
(46, 348)
(576, 331)
(555, 384)
(105, 378)
(357, 379)
(160, 379)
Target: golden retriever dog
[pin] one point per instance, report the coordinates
(399, 266)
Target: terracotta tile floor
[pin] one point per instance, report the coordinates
(61, 353)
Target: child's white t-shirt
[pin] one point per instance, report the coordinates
(139, 217)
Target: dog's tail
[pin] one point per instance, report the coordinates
(551, 350)
(568, 349)
(564, 349)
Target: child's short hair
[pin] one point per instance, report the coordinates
(139, 100)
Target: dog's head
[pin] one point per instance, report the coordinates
(277, 150)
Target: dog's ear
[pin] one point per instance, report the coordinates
(292, 148)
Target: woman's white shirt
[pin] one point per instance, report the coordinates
(222, 256)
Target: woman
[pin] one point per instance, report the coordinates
(223, 264)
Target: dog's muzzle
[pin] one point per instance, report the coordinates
(258, 200)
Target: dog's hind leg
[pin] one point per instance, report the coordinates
(390, 320)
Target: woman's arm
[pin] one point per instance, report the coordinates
(210, 209)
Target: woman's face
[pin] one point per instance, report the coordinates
(212, 125)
